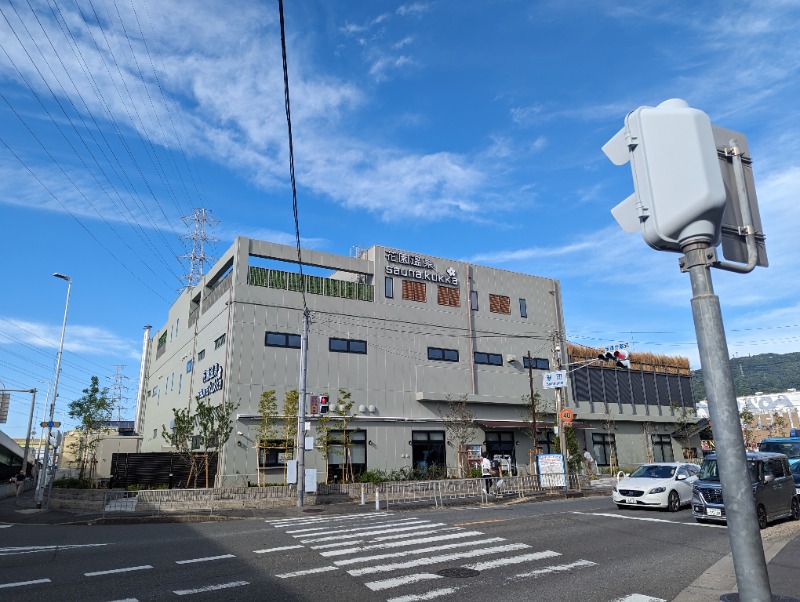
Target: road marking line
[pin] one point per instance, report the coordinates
(639, 598)
(361, 528)
(651, 520)
(481, 522)
(400, 544)
(491, 564)
(144, 567)
(322, 569)
(558, 568)
(372, 525)
(372, 532)
(5, 526)
(382, 538)
(33, 549)
(436, 593)
(210, 588)
(281, 549)
(206, 559)
(385, 568)
(21, 583)
(449, 546)
(398, 581)
(126, 600)
(287, 522)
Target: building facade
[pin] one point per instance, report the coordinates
(401, 332)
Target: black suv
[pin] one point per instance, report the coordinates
(773, 489)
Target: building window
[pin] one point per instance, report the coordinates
(428, 452)
(449, 296)
(443, 355)
(473, 300)
(414, 291)
(500, 446)
(189, 366)
(388, 287)
(537, 363)
(219, 342)
(201, 354)
(282, 339)
(177, 323)
(523, 308)
(155, 433)
(195, 441)
(604, 446)
(172, 386)
(498, 304)
(347, 346)
(662, 448)
(493, 359)
(274, 453)
(347, 454)
(180, 382)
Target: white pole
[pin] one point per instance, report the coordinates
(46, 465)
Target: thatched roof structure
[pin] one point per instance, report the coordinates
(640, 360)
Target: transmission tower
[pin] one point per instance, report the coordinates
(117, 388)
(197, 257)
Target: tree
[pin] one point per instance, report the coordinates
(777, 426)
(749, 431)
(574, 457)
(91, 411)
(291, 405)
(611, 425)
(685, 418)
(540, 409)
(210, 425)
(647, 433)
(266, 428)
(459, 423)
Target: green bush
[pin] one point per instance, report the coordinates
(73, 483)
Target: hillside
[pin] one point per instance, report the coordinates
(767, 372)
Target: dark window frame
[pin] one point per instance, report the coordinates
(350, 346)
(434, 355)
(388, 287)
(219, 341)
(538, 363)
(288, 340)
(201, 355)
(488, 359)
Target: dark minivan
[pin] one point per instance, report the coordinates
(773, 489)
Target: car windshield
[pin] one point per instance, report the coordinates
(790, 448)
(654, 471)
(796, 468)
(709, 472)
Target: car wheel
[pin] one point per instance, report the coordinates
(674, 501)
(761, 512)
(795, 509)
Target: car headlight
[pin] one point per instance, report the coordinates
(657, 490)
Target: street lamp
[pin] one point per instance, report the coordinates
(45, 467)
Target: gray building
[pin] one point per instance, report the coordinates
(400, 332)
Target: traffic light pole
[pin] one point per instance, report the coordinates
(749, 563)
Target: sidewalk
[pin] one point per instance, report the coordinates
(781, 541)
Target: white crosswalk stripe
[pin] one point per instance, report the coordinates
(366, 545)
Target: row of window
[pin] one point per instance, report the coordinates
(292, 341)
(446, 295)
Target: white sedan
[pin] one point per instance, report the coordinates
(666, 485)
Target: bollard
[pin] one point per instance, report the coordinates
(363, 495)
(377, 499)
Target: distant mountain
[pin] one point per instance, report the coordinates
(767, 372)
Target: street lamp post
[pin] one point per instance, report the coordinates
(40, 485)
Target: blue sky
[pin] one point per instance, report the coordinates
(463, 129)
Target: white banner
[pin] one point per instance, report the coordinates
(554, 380)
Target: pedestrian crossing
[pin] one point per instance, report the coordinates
(401, 556)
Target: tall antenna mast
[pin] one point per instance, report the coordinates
(197, 256)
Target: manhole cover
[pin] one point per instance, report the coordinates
(458, 573)
(312, 510)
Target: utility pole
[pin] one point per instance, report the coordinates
(533, 416)
(301, 412)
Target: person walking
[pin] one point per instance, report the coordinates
(486, 472)
(18, 480)
(588, 461)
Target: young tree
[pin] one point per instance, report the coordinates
(91, 411)
(574, 457)
(535, 407)
(777, 426)
(215, 427)
(749, 430)
(459, 423)
(291, 404)
(180, 439)
(337, 420)
(685, 418)
(267, 428)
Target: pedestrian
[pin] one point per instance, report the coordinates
(486, 472)
(18, 480)
(588, 461)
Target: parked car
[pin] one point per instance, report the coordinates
(665, 485)
(789, 446)
(773, 489)
(795, 466)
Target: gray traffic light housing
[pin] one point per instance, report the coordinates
(679, 193)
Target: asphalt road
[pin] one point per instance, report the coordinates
(583, 549)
